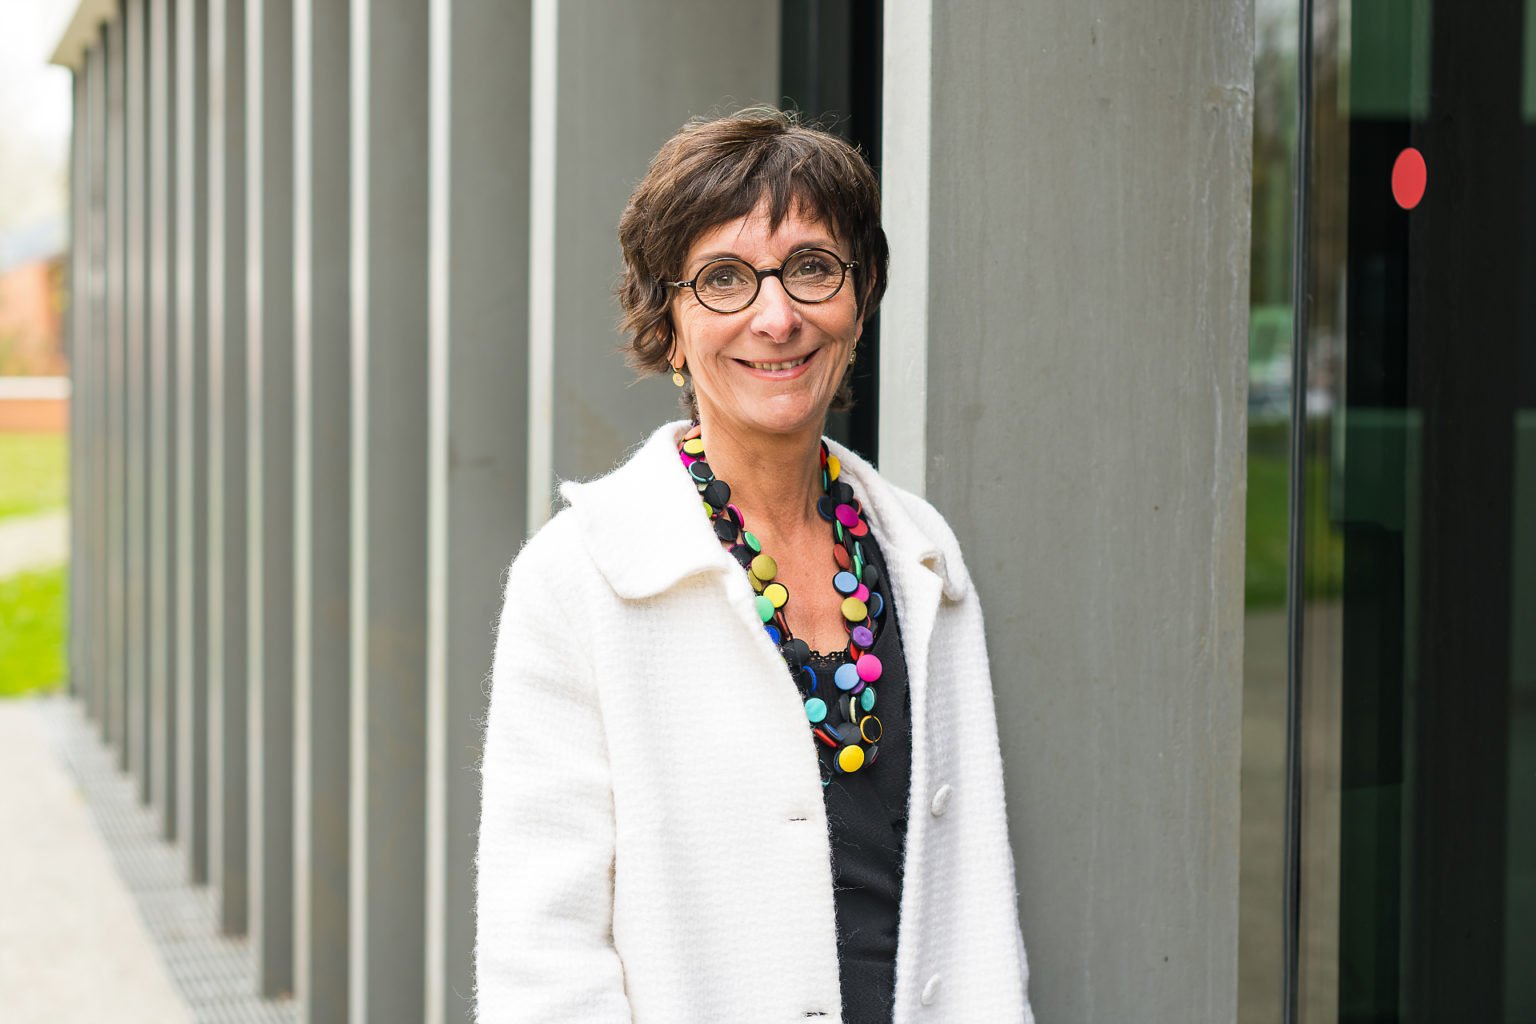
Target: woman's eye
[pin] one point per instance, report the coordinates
(724, 277)
(812, 266)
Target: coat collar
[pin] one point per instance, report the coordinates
(643, 525)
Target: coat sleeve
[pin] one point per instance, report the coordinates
(544, 871)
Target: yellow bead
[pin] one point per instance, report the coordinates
(757, 584)
(778, 593)
(694, 446)
(707, 510)
(765, 567)
(854, 610)
(850, 758)
(834, 466)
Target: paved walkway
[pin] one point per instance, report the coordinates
(72, 944)
(33, 542)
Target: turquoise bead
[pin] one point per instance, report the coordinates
(815, 709)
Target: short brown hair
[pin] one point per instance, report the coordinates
(716, 170)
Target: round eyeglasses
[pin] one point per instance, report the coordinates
(729, 285)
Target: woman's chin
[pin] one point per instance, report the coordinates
(783, 415)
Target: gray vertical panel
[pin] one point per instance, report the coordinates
(227, 826)
(115, 724)
(162, 413)
(321, 492)
(191, 439)
(627, 77)
(136, 384)
(478, 456)
(389, 507)
(269, 465)
(1085, 384)
(77, 327)
(101, 433)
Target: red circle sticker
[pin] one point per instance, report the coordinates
(1408, 178)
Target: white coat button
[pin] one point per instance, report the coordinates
(941, 800)
(931, 990)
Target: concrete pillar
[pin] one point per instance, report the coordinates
(77, 327)
(115, 725)
(227, 756)
(1063, 362)
(611, 82)
(388, 508)
(477, 431)
(161, 365)
(322, 415)
(136, 385)
(96, 397)
(269, 475)
(191, 439)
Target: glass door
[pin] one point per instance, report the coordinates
(1417, 653)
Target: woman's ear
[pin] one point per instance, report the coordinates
(674, 350)
(866, 296)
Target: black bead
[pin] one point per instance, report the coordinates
(718, 493)
(826, 507)
(797, 653)
(842, 492)
(871, 576)
(743, 554)
(724, 528)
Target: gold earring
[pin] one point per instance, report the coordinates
(677, 368)
(854, 355)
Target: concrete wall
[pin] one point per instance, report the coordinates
(611, 83)
(1067, 198)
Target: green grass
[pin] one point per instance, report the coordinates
(34, 473)
(1268, 512)
(1268, 541)
(32, 616)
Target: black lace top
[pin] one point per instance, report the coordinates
(867, 818)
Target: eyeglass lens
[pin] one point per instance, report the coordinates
(812, 275)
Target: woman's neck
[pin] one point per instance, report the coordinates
(774, 478)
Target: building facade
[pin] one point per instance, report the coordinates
(341, 317)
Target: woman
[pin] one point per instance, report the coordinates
(741, 760)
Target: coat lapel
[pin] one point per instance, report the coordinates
(643, 527)
(643, 522)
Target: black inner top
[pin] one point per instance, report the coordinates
(867, 818)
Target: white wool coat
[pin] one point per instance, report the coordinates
(653, 840)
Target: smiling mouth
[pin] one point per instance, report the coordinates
(789, 365)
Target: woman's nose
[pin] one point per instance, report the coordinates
(774, 312)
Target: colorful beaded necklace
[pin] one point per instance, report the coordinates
(855, 737)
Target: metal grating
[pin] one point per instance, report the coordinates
(214, 972)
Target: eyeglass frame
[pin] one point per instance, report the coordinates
(757, 287)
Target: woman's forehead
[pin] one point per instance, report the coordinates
(752, 237)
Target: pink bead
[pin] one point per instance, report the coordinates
(862, 593)
(869, 668)
(688, 460)
(846, 514)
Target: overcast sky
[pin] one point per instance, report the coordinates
(34, 112)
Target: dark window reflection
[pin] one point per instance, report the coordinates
(1419, 758)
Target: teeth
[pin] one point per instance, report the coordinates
(777, 366)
